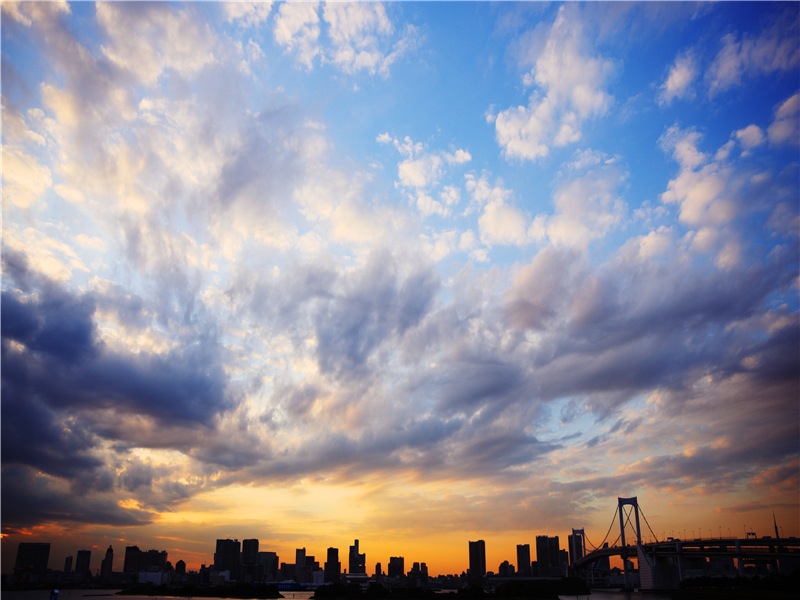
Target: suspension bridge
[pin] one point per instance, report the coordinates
(663, 564)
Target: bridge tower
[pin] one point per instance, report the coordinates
(620, 503)
(577, 545)
(633, 502)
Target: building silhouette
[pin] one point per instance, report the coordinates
(83, 570)
(31, 563)
(228, 558)
(477, 560)
(107, 566)
(547, 556)
(68, 564)
(524, 560)
(249, 561)
(333, 568)
(505, 569)
(268, 566)
(396, 567)
(418, 575)
(357, 561)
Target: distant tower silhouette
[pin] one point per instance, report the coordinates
(31, 565)
(333, 568)
(396, 567)
(524, 560)
(107, 566)
(358, 562)
(83, 561)
(477, 560)
(228, 557)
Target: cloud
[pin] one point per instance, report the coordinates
(34, 499)
(750, 137)
(353, 37)
(421, 173)
(784, 128)
(773, 49)
(701, 189)
(586, 208)
(53, 331)
(679, 80)
(374, 307)
(25, 179)
(570, 90)
(500, 222)
(146, 40)
(296, 27)
(248, 14)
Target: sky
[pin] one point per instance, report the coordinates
(412, 273)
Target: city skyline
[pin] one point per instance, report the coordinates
(413, 273)
(232, 554)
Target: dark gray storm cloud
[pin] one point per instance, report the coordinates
(59, 384)
(29, 499)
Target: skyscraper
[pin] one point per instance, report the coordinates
(524, 560)
(83, 560)
(268, 566)
(477, 560)
(31, 564)
(333, 568)
(396, 567)
(250, 552)
(547, 556)
(228, 557)
(107, 566)
(249, 561)
(357, 561)
(132, 559)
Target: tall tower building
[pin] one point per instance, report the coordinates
(31, 564)
(83, 570)
(132, 559)
(357, 562)
(396, 567)
(524, 560)
(268, 566)
(547, 556)
(107, 566)
(68, 564)
(249, 561)
(249, 552)
(477, 560)
(333, 568)
(228, 557)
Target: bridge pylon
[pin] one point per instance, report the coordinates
(633, 502)
(620, 503)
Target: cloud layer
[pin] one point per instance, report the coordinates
(236, 265)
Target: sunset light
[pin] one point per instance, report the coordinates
(409, 273)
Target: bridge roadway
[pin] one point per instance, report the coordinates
(744, 548)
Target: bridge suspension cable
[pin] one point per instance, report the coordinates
(655, 537)
(627, 522)
(613, 520)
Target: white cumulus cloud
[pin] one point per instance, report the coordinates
(570, 89)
